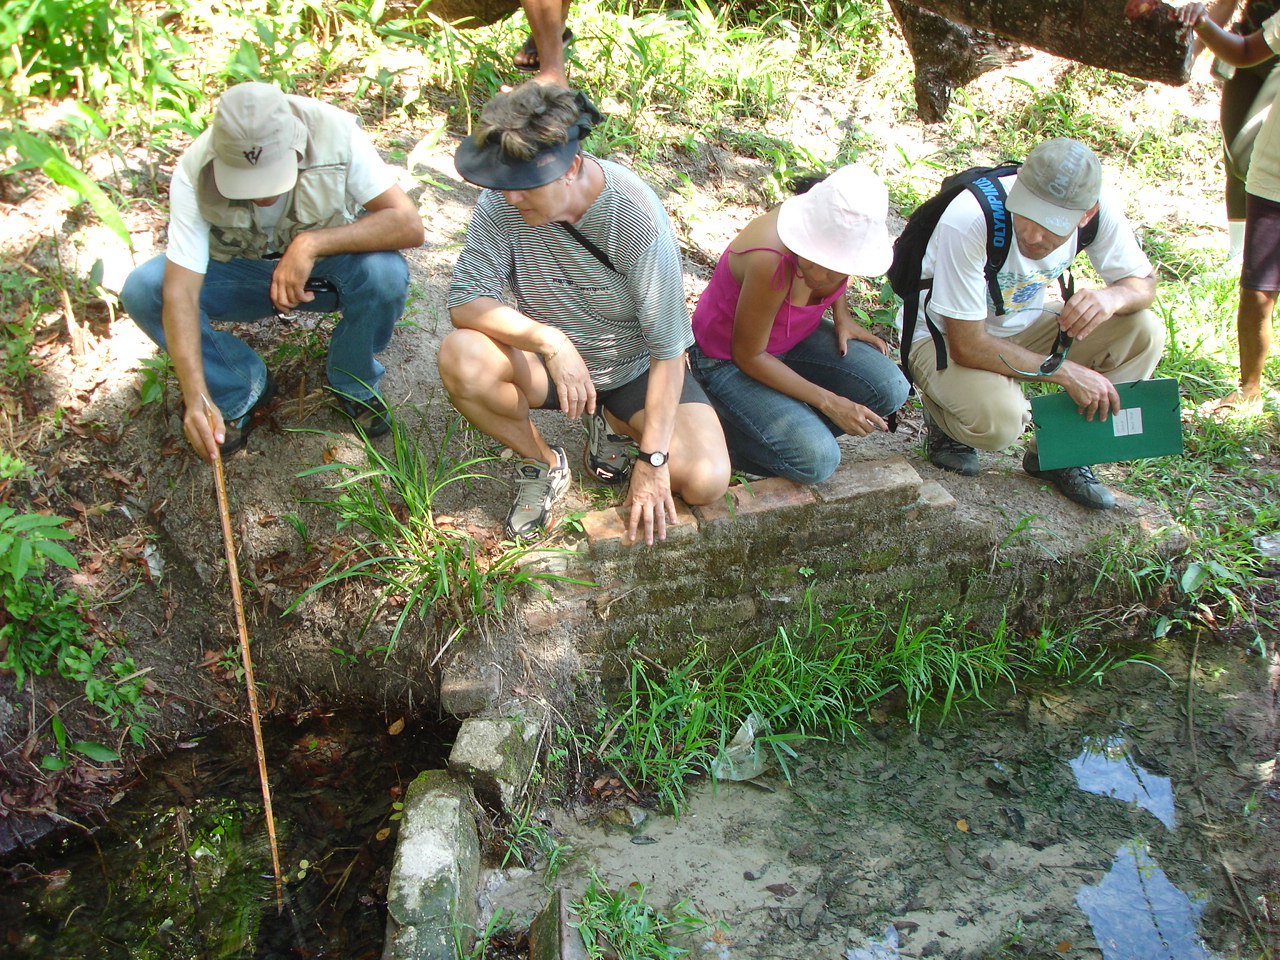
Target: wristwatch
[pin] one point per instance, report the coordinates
(655, 459)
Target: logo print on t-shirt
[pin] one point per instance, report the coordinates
(253, 155)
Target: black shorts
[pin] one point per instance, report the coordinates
(1261, 267)
(626, 401)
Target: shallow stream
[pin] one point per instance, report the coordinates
(182, 868)
(1131, 819)
(1134, 818)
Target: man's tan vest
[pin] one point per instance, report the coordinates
(319, 199)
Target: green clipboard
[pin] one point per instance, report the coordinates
(1149, 424)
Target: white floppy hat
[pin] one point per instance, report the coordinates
(257, 142)
(840, 223)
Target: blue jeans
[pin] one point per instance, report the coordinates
(371, 291)
(774, 435)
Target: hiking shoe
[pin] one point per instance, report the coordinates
(538, 487)
(948, 453)
(369, 416)
(237, 431)
(1075, 483)
(607, 456)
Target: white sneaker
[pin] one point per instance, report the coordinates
(538, 487)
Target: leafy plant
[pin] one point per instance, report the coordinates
(40, 152)
(42, 630)
(153, 382)
(620, 924)
(421, 564)
(94, 751)
(530, 841)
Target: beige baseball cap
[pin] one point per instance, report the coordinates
(1058, 182)
(840, 223)
(257, 143)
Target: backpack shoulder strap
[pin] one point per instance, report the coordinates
(984, 183)
(1084, 236)
(590, 247)
(989, 191)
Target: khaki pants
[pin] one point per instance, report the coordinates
(988, 410)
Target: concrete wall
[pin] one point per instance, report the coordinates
(876, 533)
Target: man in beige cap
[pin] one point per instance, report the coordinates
(974, 398)
(265, 215)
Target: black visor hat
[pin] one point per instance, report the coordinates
(491, 166)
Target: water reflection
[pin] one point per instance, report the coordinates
(1105, 767)
(181, 868)
(1138, 914)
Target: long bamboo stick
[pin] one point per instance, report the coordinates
(233, 570)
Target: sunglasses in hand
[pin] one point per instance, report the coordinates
(1050, 364)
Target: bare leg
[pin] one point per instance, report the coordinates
(1253, 328)
(699, 458)
(546, 24)
(491, 384)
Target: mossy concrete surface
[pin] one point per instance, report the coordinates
(552, 936)
(892, 534)
(431, 895)
(497, 757)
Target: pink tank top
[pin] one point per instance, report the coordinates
(713, 316)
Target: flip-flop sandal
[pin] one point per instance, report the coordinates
(534, 64)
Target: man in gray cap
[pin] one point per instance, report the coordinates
(974, 398)
(265, 216)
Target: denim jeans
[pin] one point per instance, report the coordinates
(774, 435)
(370, 292)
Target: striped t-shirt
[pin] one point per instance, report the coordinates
(616, 320)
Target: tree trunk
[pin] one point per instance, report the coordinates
(466, 13)
(1151, 46)
(948, 55)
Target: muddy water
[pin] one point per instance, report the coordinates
(1132, 819)
(182, 868)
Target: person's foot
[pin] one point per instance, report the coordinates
(1075, 483)
(369, 416)
(1237, 403)
(538, 487)
(526, 59)
(948, 453)
(237, 431)
(607, 456)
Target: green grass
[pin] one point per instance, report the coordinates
(422, 566)
(815, 678)
(619, 924)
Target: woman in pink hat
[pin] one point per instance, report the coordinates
(786, 382)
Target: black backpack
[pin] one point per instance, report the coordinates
(908, 250)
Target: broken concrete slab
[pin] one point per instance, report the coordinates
(431, 894)
(497, 757)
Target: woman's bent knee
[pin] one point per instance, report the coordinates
(468, 362)
(706, 481)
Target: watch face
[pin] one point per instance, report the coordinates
(655, 459)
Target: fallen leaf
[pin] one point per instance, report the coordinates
(781, 889)
(962, 825)
(1063, 946)
(396, 728)
(382, 834)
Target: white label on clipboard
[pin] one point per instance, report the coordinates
(1127, 422)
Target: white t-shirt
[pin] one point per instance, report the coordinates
(957, 253)
(367, 177)
(1264, 164)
